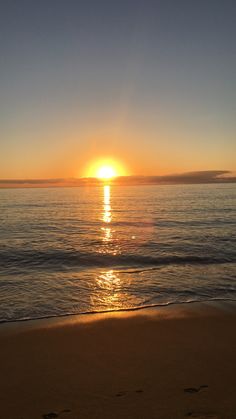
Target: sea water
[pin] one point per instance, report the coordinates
(87, 249)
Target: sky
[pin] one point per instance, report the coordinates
(151, 84)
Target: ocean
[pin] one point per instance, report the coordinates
(90, 249)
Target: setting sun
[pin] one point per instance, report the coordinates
(106, 172)
(105, 169)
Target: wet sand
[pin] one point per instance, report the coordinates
(173, 362)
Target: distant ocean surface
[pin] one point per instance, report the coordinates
(77, 250)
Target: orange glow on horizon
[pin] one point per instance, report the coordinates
(105, 169)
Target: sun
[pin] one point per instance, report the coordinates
(105, 169)
(106, 172)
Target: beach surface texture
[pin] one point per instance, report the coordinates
(168, 363)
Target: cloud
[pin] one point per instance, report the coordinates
(208, 176)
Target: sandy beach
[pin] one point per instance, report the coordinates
(173, 362)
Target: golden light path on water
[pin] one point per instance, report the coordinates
(110, 245)
(109, 283)
(107, 213)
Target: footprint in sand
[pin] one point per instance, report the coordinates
(198, 415)
(53, 415)
(123, 393)
(195, 389)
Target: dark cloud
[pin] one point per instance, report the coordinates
(208, 176)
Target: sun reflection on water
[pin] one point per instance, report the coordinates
(106, 214)
(110, 290)
(107, 218)
(108, 280)
(107, 204)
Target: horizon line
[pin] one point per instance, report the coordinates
(194, 177)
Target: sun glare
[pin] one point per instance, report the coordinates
(106, 172)
(106, 169)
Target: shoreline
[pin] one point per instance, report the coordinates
(218, 302)
(171, 362)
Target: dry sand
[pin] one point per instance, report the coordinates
(176, 362)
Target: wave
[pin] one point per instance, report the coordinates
(168, 223)
(118, 310)
(61, 259)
